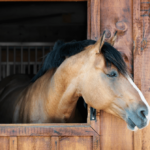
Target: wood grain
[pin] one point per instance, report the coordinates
(88, 19)
(114, 134)
(55, 143)
(47, 130)
(96, 142)
(76, 143)
(137, 61)
(4, 143)
(42, 0)
(118, 17)
(141, 36)
(13, 143)
(95, 19)
(95, 124)
(33, 143)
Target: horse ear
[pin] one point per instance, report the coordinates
(113, 39)
(100, 42)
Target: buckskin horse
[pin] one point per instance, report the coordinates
(96, 71)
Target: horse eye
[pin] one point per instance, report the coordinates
(112, 74)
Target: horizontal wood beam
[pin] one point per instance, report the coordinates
(43, 0)
(47, 130)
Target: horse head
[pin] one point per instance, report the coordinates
(105, 84)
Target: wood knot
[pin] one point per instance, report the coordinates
(120, 25)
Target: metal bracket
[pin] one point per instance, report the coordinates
(92, 113)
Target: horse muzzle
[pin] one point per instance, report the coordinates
(137, 118)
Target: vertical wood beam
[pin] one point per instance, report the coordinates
(137, 62)
(95, 19)
(13, 143)
(96, 142)
(94, 29)
(89, 19)
(54, 143)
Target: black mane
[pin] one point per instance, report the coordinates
(62, 50)
(59, 53)
(113, 56)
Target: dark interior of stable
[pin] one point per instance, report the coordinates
(38, 22)
(43, 21)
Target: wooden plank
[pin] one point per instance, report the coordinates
(143, 56)
(94, 30)
(89, 19)
(44, 0)
(34, 143)
(95, 124)
(4, 143)
(95, 19)
(13, 143)
(47, 130)
(96, 142)
(137, 61)
(114, 133)
(76, 143)
(55, 143)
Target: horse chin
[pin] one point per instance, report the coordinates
(133, 127)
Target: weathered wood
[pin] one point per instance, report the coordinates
(46, 130)
(31, 143)
(95, 124)
(76, 143)
(114, 134)
(96, 142)
(141, 37)
(13, 143)
(4, 143)
(44, 0)
(137, 61)
(88, 19)
(113, 131)
(55, 143)
(95, 19)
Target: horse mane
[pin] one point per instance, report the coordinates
(59, 53)
(62, 50)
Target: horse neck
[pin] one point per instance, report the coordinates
(63, 93)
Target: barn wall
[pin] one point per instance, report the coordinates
(131, 19)
(116, 15)
(141, 36)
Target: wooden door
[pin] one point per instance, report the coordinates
(112, 15)
(131, 18)
(48, 137)
(141, 36)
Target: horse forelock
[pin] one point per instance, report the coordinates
(113, 56)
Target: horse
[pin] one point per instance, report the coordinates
(97, 72)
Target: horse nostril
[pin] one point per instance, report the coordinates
(142, 112)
